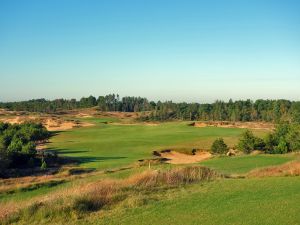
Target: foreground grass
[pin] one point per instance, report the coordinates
(79, 201)
(232, 201)
(268, 201)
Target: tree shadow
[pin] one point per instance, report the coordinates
(88, 159)
(55, 133)
(81, 158)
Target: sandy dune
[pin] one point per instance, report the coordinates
(51, 123)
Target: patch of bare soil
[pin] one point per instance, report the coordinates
(95, 112)
(228, 124)
(287, 169)
(52, 123)
(83, 115)
(198, 124)
(174, 157)
(4, 112)
(121, 115)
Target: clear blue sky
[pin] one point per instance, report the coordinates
(161, 49)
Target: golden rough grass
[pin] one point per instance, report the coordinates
(287, 169)
(17, 183)
(105, 192)
(173, 177)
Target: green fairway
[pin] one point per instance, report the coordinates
(270, 201)
(108, 146)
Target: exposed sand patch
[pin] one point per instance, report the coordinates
(228, 124)
(180, 158)
(199, 124)
(61, 125)
(287, 169)
(121, 115)
(84, 115)
(52, 123)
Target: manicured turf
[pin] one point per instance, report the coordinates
(269, 201)
(108, 146)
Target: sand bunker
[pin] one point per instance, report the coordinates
(180, 158)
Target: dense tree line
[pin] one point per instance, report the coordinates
(285, 138)
(110, 102)
(259, 110)
(18, 144)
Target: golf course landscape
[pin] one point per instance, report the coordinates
(127, 112)
(113, 152)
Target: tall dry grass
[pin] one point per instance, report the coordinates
(107, 193)
(174, 177)
(287, 169)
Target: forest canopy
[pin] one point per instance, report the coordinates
(242, 110)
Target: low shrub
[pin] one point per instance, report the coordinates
(219, 146)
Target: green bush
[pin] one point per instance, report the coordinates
(248, 142)
(282, 147)
(43, 165)
(219, 146)
(17, 143)
(285, 138)
(29, 149)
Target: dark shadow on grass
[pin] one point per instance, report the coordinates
(65, 151)
(88, 159)
(81, 158)
(54, 133)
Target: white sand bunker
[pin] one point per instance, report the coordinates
(181, 158)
